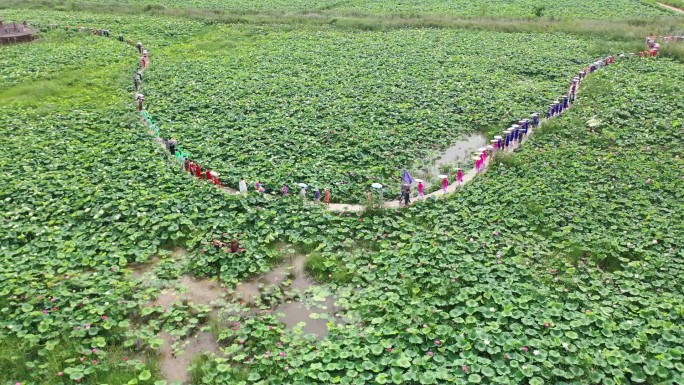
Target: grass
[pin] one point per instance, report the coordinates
(616, 30)
(21, 362)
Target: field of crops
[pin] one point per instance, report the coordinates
(564, 9)
(270, 105)
(561, 265)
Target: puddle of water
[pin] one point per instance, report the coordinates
(292, 268)
(300, 281)
(175, 368)
(295, 312)
(462, 149)
(166, 298)
(140, 269)
(200, 291)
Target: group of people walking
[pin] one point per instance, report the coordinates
(508, 139)
(303, 192)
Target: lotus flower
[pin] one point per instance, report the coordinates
(525, 349)
(430, 354)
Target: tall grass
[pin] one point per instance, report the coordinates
(616, 29)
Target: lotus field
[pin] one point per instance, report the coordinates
(562, 264)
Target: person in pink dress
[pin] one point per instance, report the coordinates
(445, 184)
(459, 176)
(421, 190)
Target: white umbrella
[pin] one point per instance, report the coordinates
(419, 180)
(302, 185)
(442, 176)
(376, 185)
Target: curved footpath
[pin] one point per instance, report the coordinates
(147, 120)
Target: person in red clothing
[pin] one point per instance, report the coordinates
(208, 174)
(215, 178)
(198, 170)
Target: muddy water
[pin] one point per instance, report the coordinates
(201, 291)
(292, 312)
(175, 367)
(292, 268)
(462, 149)
(138, 270)
(295, 312)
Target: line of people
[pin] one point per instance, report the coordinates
(509, 138)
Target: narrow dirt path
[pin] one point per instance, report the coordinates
(671, 8)
(467, 177)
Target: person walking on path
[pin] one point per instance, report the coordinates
(459, 176)
(139, 46)
(407, 196)
(317, 195)
(198, 170)
(208, 174)
(140, 99)
(172, 146)
(421, 190)
(445, 184)
(186, 164)
(302, 192)
(242, 186)
(191, 167)
(326, 197)
(136, 83)
(284, 190)
(215, 178)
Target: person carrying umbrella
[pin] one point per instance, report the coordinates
(208, 174)
(242, 186)
(459, 176)
(407, 195)
(139, 46)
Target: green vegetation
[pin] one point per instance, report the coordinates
(280, 107)
(560, 9)
(561, 265)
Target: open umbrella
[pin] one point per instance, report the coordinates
(441, 176)
(407, 177)
(419, 180)
(302, 185)
(376, 185)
